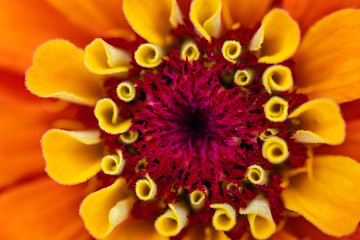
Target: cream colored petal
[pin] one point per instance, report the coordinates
(105, 209)
(72, 156)
(206, 17)
(320, 121)
(58, 71)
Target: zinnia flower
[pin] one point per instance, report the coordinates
(211, 120)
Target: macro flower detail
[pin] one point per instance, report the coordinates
(204, 125)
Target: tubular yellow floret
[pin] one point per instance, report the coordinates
(224, 218)
(268, 133)
(126, 91)
(113, 164)
(275, 150)
(107, 113)
(129, 137)
(146, 189)
(244, 77)
(257, 175)
(102, 58)
(277, 78)
(148, 55)
(276, 109)
(262, 225)
(231, 50)
(173, 220)
(197, 200)
(189, 51)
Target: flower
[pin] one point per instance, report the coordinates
(191, 147)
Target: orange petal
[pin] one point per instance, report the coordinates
(97, 16)
(330, 200)
(350, 147)
(24, 25)
(328, 58)
(307, 12)
(248, 13)
(42, 210)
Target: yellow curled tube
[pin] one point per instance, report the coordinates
(224, 218)
(277, 78)
(189, 51)
(129, 137)
(126, 91)
(107, 113)
(197, 200)
(173, 220)
(113, 164)
(276, 109)
(146, 189)
(268, 133)
(275, 150)
(231, 50)
(257, 175)
(244, 77)
(262, 225)
(148, 55)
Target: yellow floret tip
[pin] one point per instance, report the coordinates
(231, 50)
(126, 91)
(146, 189)
(129, 137)
(189, 51)
(224, 218)
(244, 77)
(275, 150)
(148, 55)
(277, 78)
(257, 175)
(173, 220)
(107, 113)
(276, 109)
(113, 164)
(268, 133)
(197, 200)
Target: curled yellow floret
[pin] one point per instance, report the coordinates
(102, 58)
(244, 77)
(148, 55)
(318, 121)
(257, 175)
(107, 113)
(275, 150)
(129, 137)
(277, 39)
(126, 91)
(189, 51)
(276, 109)
(277, 78)
(173, 220)
(197, 200)
(231, 50)
(262, 225)
(224, 218)
(206, 17)
(268, 133)
(113, 164)
(146, 189)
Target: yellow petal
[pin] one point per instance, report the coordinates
(231, 50)
(173, 220)
(102, 58)
(244, 77)
(58, 71)
(197, 200)
(320, 121)
(105, 209)
(224, 218)
(107, 113)
(262, 225)
(146, 189)
(153, 20)
(328, 57)
(257, 175)
(277, 78)
(126, 91)
(113, 164)
(275, 150)
(276, 109)
(148, 55)
(206, 17)
(189, 51)
(72, 156)
(277, 39)
(331, 200)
